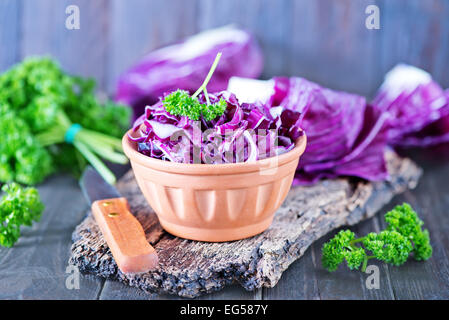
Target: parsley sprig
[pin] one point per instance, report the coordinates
(403, 235)
(18, 207)
(180, 103)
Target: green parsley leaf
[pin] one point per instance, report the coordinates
(179, 103)
(335, 250)
(403, 219)
(388, 246)
(18, 207)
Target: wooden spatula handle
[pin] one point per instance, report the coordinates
(124, 236)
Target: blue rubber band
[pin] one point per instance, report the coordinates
(71, 133)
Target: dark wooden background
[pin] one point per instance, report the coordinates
(323, 40)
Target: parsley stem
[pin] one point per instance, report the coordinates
(105, 151)
(206, 95)
(95, 162)
(365, 262)
(209, 75)
(101, 138)
(357, 240)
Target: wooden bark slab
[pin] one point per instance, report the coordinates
(190, 268)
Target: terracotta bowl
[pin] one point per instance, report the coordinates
(215, 202)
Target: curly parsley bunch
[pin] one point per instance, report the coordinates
(39, 103)
(404, 235)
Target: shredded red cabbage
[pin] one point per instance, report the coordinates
(245, 132)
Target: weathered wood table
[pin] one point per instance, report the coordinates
(36, 267)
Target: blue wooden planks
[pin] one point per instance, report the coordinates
(137, 27)
(9, 33)
(82, 51)
(416, 32)
(324, 41)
